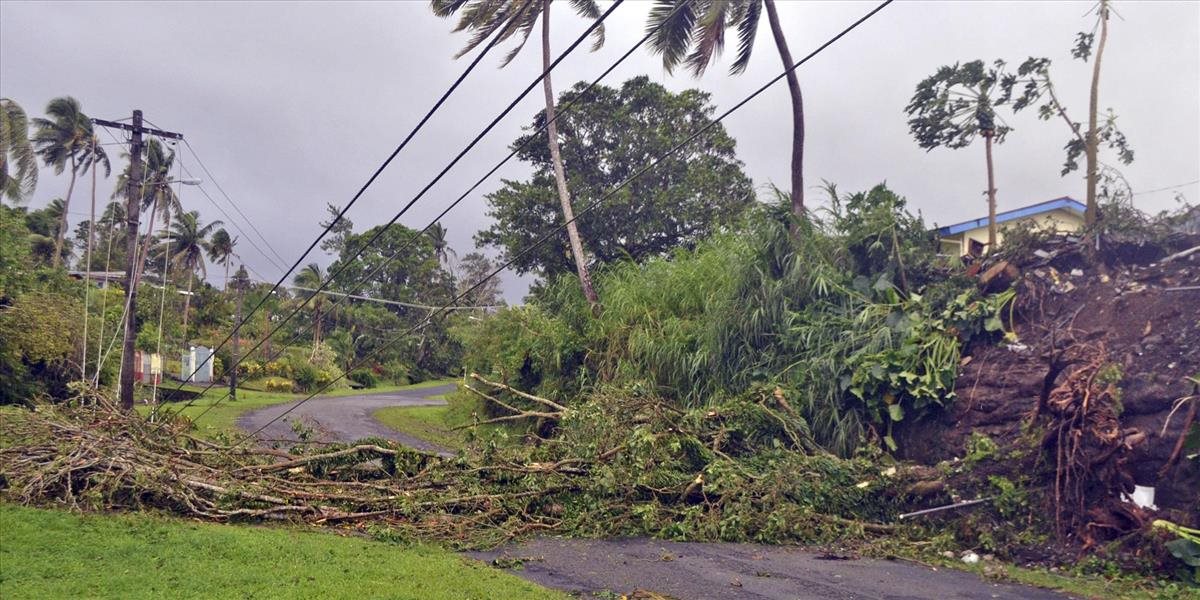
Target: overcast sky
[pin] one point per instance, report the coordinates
(294, 105)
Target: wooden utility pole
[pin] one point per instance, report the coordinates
(134, 189)
(241, 280)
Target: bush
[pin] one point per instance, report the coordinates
(278, 368)
(277, 384)
(397, 373)
(364, 377)
(249, 369)
(306, 377)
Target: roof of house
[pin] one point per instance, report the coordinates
(1066, 203)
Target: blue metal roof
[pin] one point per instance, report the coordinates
(1066, 202)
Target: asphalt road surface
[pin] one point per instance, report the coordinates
(683, 570)
(695, 571)
(345, 418)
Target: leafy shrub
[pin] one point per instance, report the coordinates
(277, 384)
(278, 368)
(364, 377)
(249, 369)
(397, 373)
(306, 376)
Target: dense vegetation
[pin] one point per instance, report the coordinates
(849, 316)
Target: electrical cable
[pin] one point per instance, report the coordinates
(383, 229)
(555, 232)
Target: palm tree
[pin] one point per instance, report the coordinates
(188, 240)
(220, 250)
(441, 248)
(65, 140)
(692, 32)
(311, 277)
(155, 192)
(18, 163)
(506, 18)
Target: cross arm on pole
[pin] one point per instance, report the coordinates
(150, 130)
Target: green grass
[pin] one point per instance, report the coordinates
(223, 418)
(54, 554)
(430, 423)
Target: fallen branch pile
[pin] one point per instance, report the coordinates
(624, 466)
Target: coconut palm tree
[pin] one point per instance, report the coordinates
(155, 192)
(220, 250)
(692, 32)
(188, 240)
(18, 163)
(441, 248)
(506, 18)
(65, 140)
(311, 277)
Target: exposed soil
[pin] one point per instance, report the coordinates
(692, 571)
(1121, 316)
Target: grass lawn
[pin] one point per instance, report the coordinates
(223, 418)
(430, 423)
(54, 554)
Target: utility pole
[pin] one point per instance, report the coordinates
(241, 280)
(134, 188)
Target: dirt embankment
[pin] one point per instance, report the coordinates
(1097, 376)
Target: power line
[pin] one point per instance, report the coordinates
(381, 230)
(188, 145)
(420, 124)
(565, 109)
(1169, 187)
(229, 218)
(556, 231)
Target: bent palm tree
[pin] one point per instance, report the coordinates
(155, 192)
(699, 25)
(311, 278)
(64, 140)
(220, 250)
(189, 241)
(18, 163)
(506, 18)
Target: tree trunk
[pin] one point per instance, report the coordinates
(187, 305)
(1093, 140)
(797, 110)
(146, 244)
(560, 177)
(316, 326)
(991, 192)
(62, 221)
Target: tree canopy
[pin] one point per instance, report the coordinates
(608, 136)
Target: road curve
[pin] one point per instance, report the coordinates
(344, 418)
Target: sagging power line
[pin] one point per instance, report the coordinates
(557, 230)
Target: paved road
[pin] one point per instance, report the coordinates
(345, 418)
(694, 571)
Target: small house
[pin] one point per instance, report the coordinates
(970, 238)
(147, 367)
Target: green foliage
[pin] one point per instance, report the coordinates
(39, 337)
(364, 377)
(608, 135)
(979, 448)
(815, 314)
(277, 384)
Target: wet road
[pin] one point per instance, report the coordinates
(345, 418)
(695, 571)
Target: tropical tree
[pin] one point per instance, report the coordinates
(188, 239)
(441, 248)
(609, 134)
(311, 277)
(692, 33)
(18, 163)
(506, 18)
(155, 192)
(220, 250)
(63, 141)
(956, 104)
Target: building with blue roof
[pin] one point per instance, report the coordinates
(1064, 215)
